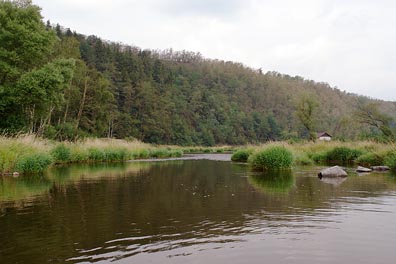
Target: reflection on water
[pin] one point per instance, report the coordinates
(195, 211)
(278, 181)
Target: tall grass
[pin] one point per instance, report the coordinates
(28, 154)
(22, 153)
(274, 157)
(241, 155)
(365, 153)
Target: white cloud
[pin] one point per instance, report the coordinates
(349, 44)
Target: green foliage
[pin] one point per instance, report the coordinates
(142, 154)
(95, 154)
(61, 154)
(390, 160)
(342, 154)
(369, 113)
(306, 111)
(370, 159)
(303, 159)
(318, 157)
(66, 86)
(116, 154)
(33, 163)
(241, 155)
(275, 157)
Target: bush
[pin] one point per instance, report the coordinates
(159, 153)
(95, 154)
(370, 159)
(303, 159)
(390, 160)
(61, 154)
(79, 155)
(33, 163)
(241, 155)
(342, 154)
(271, 158)
(143, 154)
(176, 153)
(317, 157)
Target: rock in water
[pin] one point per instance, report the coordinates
(335, 171)
(380, 168)
(363, 169)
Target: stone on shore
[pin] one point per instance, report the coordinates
(380, 168)
(335, 171)
(363, 169)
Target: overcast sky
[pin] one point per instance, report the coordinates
(350, 44)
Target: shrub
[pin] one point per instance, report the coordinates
(143, 154)
(61, 154)
(33, 163)
(317, 157)
(343, 154)
(207, 150)
(159, 153)
(176, 153)
(390, 160)
(241, 155)
(303, 159)
(95, 154)
(78, 154)
(276, 157)
(370, 159)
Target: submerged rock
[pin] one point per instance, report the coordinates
(363, 169)
(380, 168)
(335, 171)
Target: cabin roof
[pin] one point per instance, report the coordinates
(323, 134)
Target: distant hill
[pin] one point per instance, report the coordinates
(170, 97)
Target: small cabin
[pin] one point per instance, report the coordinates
(324, 136)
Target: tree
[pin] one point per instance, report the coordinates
(25, 41)
(305, 110)
(367, 112)
(40, 92)
(25, 45)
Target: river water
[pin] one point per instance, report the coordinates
(196, 211)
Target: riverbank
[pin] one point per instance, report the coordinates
(28, 154)
(364, 153)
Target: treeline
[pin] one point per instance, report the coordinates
(64, 85)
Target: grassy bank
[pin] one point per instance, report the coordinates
(364, 153)
(28, 154)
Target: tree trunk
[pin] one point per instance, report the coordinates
(80, 110)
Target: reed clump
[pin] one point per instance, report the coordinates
(273, 157)
(241, 155)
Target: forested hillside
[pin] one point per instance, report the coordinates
(65, 85)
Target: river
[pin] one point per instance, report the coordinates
(196, 210)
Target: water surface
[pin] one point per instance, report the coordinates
(195, 211)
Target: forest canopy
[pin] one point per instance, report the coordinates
(64, 85)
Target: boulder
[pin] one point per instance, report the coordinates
(363, 169)
(380, 168)
(335, 171)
